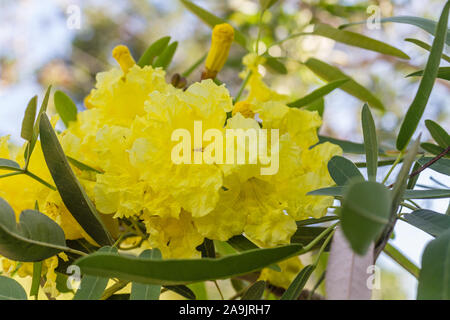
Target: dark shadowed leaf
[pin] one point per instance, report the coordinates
(255, 291)
(295, 288)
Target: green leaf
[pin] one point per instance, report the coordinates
(403, 261)
(28, 119)
(429, 221)
(343, 171)
(83, 167)
(7, 164)
(297, 285)
(182, 271)
(433, 149)
(311, 221)
(425, 24)
(70, 189)
(212, 20)
(365, 212)
(370, 142)
(266, 4)
(35, 238)
(427, 194)
(166, 56)
(92, 287)
(304, 235)
(357, 40)
(155, 49)
(330, 191)
(141, 291)
(441, 166)
(443, 73)
(434, 278)
(275, 64)
(426, 46)
(317, 105)
(65, 107)
(438, 133)
(240, 243)
(317, 94)
(347, 146)
(36, 281)
(330, 73)
(10, 289)
(255, 291)
(417, 108)
(42, 110)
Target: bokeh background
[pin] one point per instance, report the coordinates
(40, 46)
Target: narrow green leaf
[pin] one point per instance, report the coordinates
(317, 94)
(429, 221)
(443, 73)
(35, 238)
(165, 58)
(365, 212)
(347, 146)
(317, 105)
(304, 235)
(441, 166)
(266, 4)
(370, 142)
(403, 261)
(10, 289)
(155, 49)
(330, 191)
(425, 24)
(82, 166)
(433, 149)
(330, 73)
(343, 171)
(297, 285)
(255, 292)
(28, 120)
(141, 291)
(426, 46)
(417, 108)
(357, 40)
(182, 271)
(438, 133)
(199, 290)
(311, 221)
(7, 164)
(427, 194)
(92, 287)
(71, 191)
(212, 20)
(434, 278)
(36, 281)
(43, 109)
(65, 107)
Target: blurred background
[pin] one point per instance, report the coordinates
(41, 44)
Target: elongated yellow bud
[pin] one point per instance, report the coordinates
(123, 56)
(222, 37)
(244, 108)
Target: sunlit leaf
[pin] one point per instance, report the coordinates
(155, 49)
(317, 94)
(65, 107)
(10, 289)
(28, 120)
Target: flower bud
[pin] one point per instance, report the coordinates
(123, 56)
(222, 37)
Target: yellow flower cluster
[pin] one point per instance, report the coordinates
(127, 131)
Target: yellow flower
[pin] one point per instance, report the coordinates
(222, 37)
